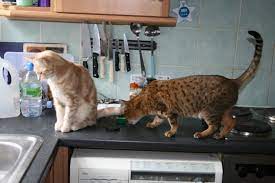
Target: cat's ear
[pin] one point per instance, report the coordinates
(29, 58)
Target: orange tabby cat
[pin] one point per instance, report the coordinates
(73, 90)
(210, 97)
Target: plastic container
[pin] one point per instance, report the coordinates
(31, 94)
(24, 2)
(44, 3)
(9, 93)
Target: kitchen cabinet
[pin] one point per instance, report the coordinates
(154, 8)
(149, 12)
(59, 170)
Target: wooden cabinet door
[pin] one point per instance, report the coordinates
(156, 8)
(59, 171)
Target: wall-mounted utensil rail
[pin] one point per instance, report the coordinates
(133, 45)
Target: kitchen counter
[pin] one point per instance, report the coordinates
(136, 137)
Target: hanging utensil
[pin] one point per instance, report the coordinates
(117, 56)
(122, 58)
(152, 31)
(86, 48)
(127, 53)
(104, 51)
(136, 29)
(110, 52)
(96, 50)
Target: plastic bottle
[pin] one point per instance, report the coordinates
(31, 98)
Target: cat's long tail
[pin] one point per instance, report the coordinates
(110, 111)
(251, 70)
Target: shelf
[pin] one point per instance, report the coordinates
(45, 14)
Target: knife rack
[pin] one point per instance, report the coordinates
(133, 44)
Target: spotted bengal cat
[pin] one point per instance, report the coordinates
(209, 97)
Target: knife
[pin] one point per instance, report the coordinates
(127, 53)
(122, 58)
(117, 56)
(110, 52)
(96, 50)
(86, 51)
(104, 51)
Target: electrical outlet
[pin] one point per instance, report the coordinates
(162, 77)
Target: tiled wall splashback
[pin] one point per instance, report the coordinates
(213, 43)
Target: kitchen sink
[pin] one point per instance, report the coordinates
(16, 154)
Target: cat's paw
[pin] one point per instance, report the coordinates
(150, 125)
(218, 136)
(169, 133)
(65, 129)
(76, 127)
(57, 126)
(197, 135)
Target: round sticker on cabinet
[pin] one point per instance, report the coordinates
(184, 12)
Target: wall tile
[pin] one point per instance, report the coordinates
(118, 31)
(176, 72)
(20, 31)
(256, 91)
(257, 13)
(220, 13)
(226, 72)
(177, 47)
(271, 92)
(68, 33)
(123, 81)
(273, 58)
(104, 86)
(216, 48)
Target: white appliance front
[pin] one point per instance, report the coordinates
(122, 166)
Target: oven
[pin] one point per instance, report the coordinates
(122, 166)
(248, 168)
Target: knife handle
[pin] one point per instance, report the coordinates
(128, 65)
(122, 62)
(95, 65)
(85, 64)
(111, 71)
(102, 66)
(117, 61)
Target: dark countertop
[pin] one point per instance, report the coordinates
(136, 137)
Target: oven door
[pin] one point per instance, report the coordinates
(248, 168)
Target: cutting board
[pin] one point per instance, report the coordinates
(10, 46)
